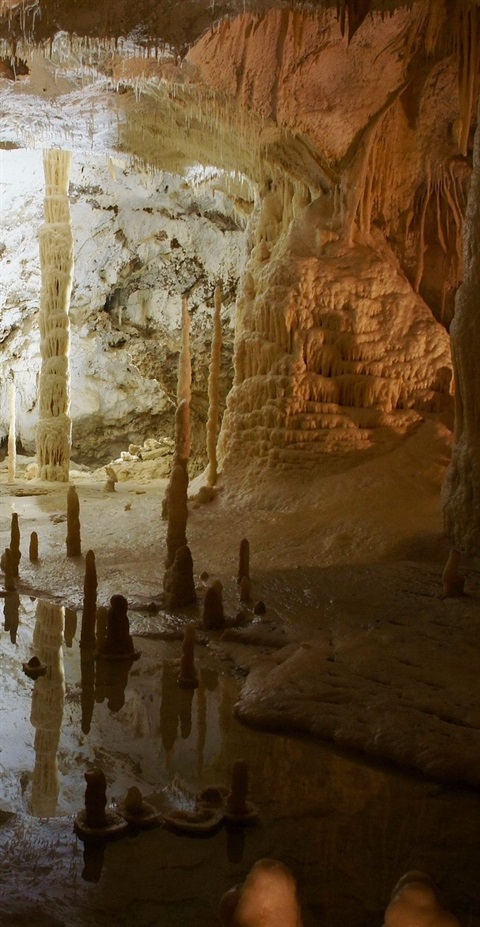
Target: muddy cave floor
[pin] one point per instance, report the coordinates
(358, 647)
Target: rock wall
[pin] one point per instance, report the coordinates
(141, 241)
(462, 484)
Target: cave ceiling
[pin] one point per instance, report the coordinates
(371, 103)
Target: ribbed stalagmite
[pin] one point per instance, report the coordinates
(53, 437)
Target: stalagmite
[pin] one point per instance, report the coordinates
(33, 547)
(53, 437)
(177, 512)
(184, 379)
(213, 389)
(11, 433)
(178, 583)
(15, 543)
(243, 560)
(462, 482)
(183, 427)
(89, 613)
(238, 810)
(414, 903)
(267, 898)
(453, 581)
(213, 614)
(245, 590)
(74, 548)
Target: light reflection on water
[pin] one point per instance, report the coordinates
(348, 829)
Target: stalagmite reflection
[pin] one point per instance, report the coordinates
(47, 707)
(11, 607)
(111, 682)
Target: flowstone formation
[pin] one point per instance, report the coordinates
(56, 259)
(355, 242)
(317, 361)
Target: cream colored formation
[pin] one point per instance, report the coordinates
(56, 260)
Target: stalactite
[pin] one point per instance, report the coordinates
(468, 51)
(56, 259)
(213, 389)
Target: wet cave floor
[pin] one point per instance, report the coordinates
(347, 826)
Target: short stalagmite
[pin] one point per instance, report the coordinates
(414, 903)
(178, 582)
(243, 560)
(213, 614)
(453, 581)
(267, 898)
(33, 547)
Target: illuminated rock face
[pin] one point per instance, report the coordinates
(358, 153)
(140, 241)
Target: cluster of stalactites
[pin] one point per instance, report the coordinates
(56, 262)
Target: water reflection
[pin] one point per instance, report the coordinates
(47, 707)
(11, 608)
(348, 829)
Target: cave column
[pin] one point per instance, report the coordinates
(53, 436)
(462, 483)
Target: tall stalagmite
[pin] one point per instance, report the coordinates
(56, 260)
(462, 484)
(213, 383)
(11, 433)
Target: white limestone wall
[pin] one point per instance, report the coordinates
(140, 242)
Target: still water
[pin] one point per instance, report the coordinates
(348, 829)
